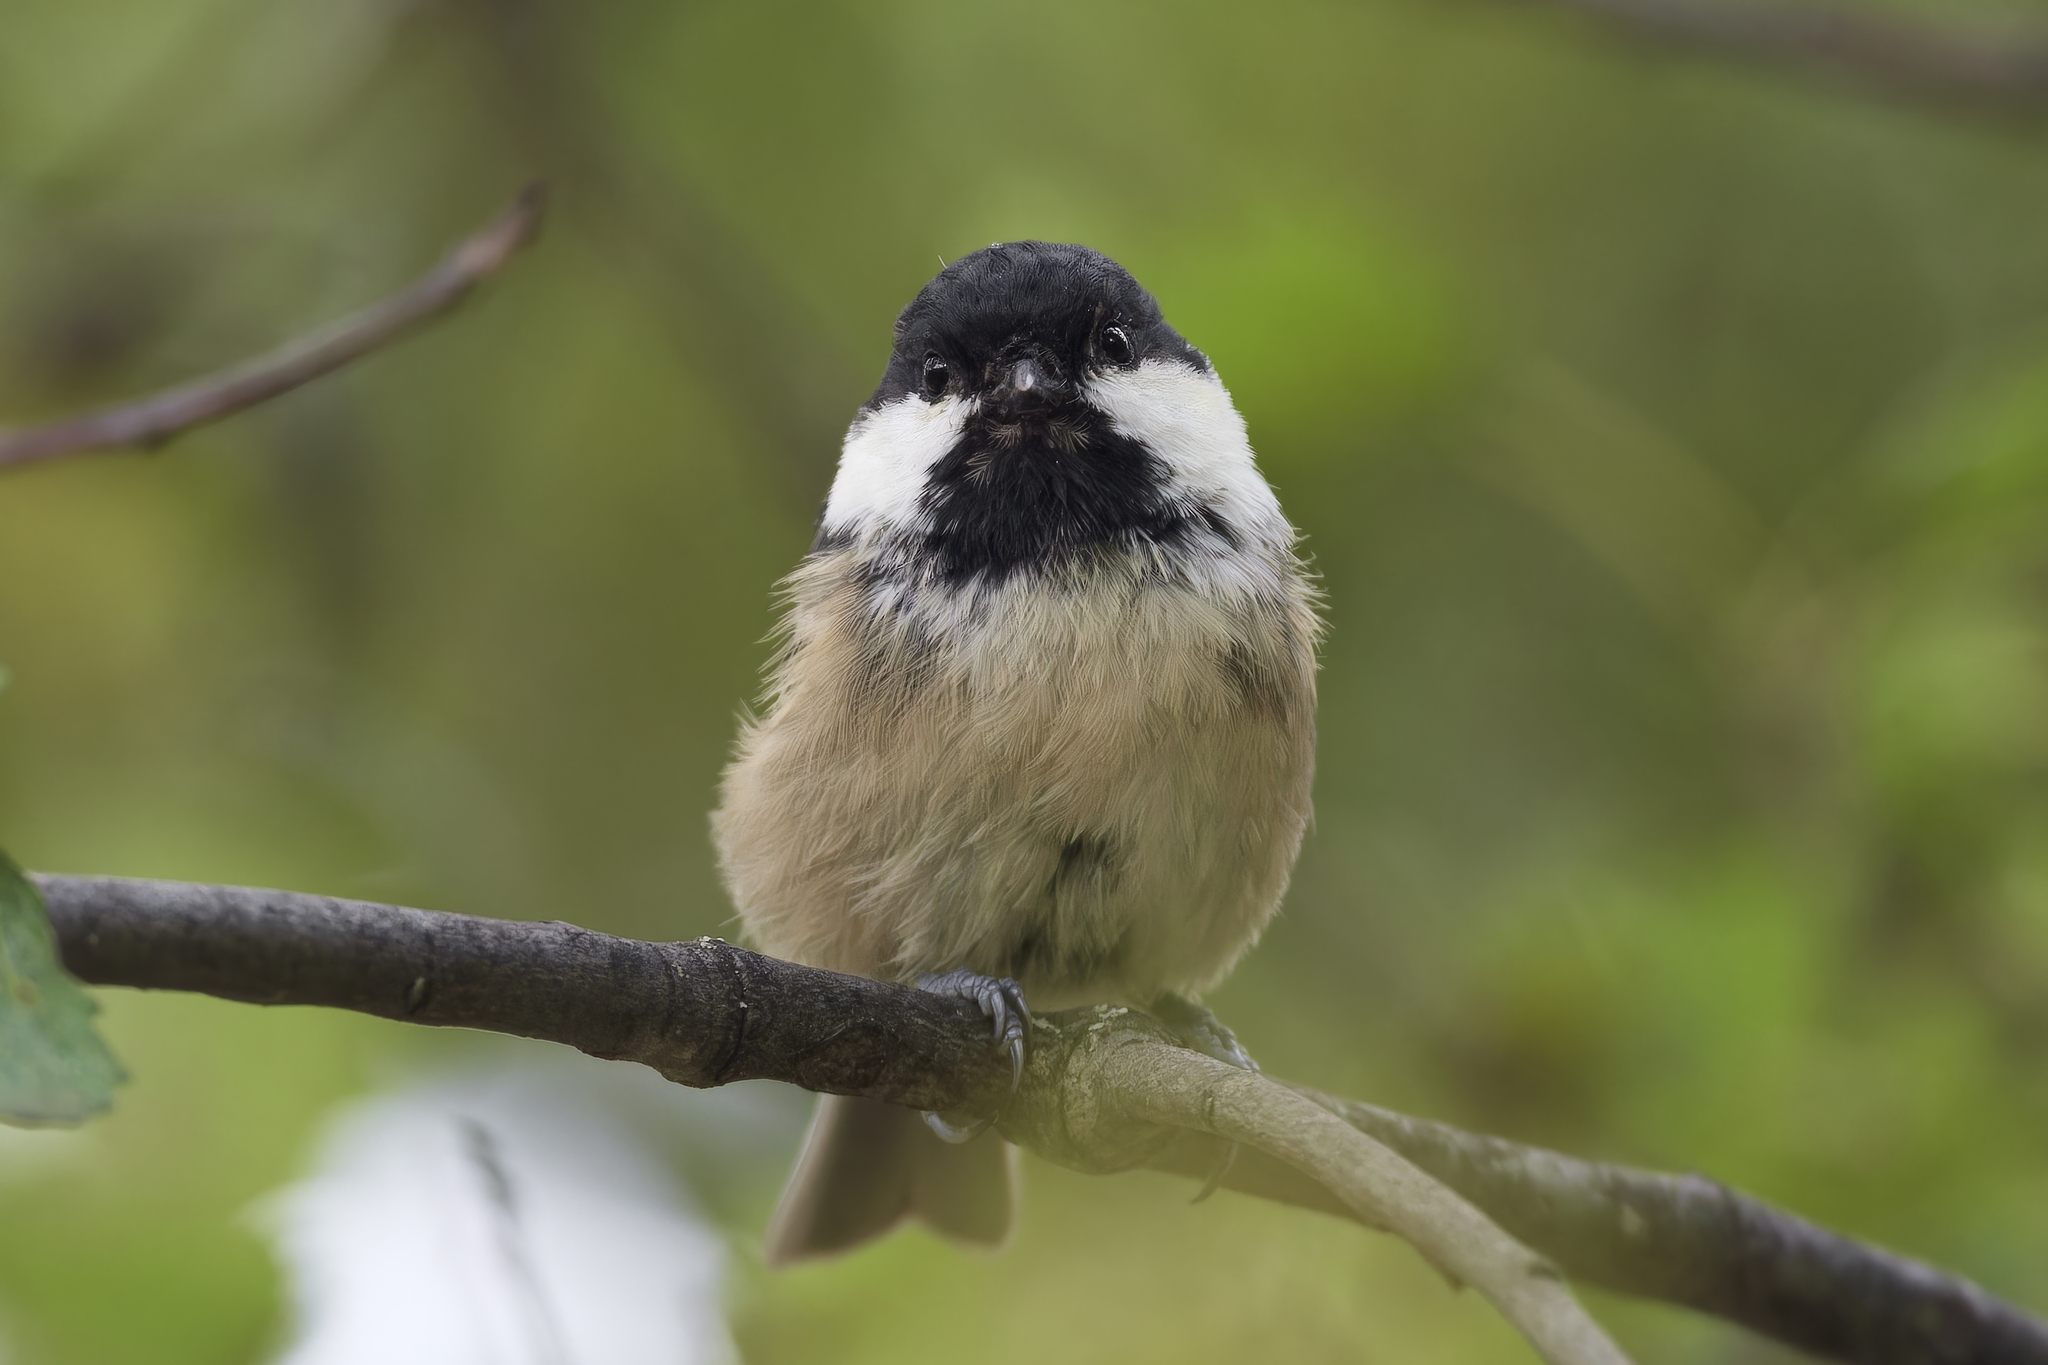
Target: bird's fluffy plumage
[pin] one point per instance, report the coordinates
(1045, 703)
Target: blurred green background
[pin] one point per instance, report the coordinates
(1672, 439)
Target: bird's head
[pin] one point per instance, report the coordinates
(1038, 409)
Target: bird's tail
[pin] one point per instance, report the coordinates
(866, 1166)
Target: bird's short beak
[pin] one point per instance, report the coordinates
(1031, 383)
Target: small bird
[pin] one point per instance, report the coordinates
(1042, 723)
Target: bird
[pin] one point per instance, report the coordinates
(1039, 730)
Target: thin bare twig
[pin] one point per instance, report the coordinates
(152, 421)
(1127, 1070)
(1681, 1239)
(1885, 50)
(706, 1013)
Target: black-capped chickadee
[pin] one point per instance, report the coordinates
(1045, 711)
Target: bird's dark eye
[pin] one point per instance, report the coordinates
(1116, 345)
(935, 376)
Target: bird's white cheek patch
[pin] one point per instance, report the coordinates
(1186, 418)
(886, 458)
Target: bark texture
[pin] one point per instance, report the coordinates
(1103, 1090)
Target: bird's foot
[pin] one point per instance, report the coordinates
(1199, 1030)
(1002, 1001)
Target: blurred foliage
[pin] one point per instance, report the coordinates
(54, 1067)
(1672, 439)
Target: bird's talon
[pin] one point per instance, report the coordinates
(999, 998)
(1201, 1031)
(956, 1133)
(1002, 1000)
(1222, 1168)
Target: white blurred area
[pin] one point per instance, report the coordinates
(517, 1214)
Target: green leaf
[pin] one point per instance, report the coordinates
(54, 1068)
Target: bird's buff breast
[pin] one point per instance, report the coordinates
(1096, 786)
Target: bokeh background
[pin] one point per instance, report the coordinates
(1671, 436)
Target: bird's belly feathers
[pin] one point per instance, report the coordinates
(1098, 788)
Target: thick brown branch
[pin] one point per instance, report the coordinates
(705, 1013)
(154, 420)
(701, 1013)
(1884, 49)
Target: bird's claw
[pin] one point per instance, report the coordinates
(956, 1133)
(1217, 1172)
(1201, 1031)
(999, 998)
(1002, 1001)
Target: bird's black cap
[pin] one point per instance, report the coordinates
(1050, 302)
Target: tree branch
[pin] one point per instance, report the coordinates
(152, 421)
(1095, 1096)
(1886, 50)
(1681, 1239)
(1096, 1090)
(1127, 1071)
